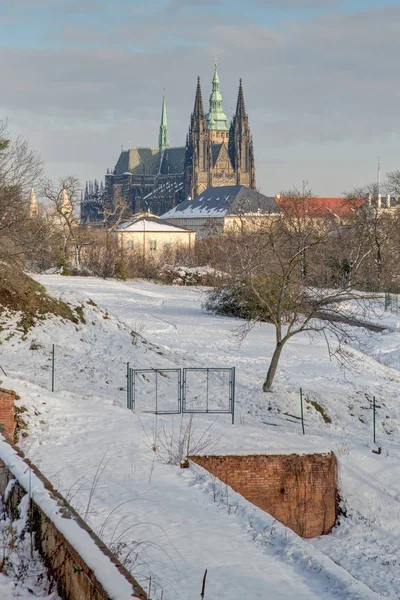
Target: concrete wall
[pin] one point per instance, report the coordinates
(74, 579)
(7, 411)
(299, 491)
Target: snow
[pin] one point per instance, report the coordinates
(171, 519)
(21, 575)
(106, 572)
(150, 226)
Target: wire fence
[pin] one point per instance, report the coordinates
(341, 417)
(339, 411)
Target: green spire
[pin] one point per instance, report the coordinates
(216, 118)
(163, 141)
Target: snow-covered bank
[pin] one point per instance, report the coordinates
(179, 527)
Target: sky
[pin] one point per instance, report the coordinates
(83, 78)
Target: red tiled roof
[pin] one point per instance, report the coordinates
(319, 207)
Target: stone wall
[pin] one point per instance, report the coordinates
(7, 411)
(74, 578)
(300, 491)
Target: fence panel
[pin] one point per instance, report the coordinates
(208, 390)
(155, 390)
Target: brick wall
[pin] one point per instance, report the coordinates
(7, 415)
(299, 491)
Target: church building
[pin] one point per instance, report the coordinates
(217, 153)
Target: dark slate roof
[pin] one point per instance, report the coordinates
(215, 148)
(173, 161)
(223, 201)
(139, 161)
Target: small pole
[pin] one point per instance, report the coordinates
(203, 587)
(52, 369)
(128, 396)
(374, 417)
(207, 394)
(156, 392)
(233, 394)
(302, 412)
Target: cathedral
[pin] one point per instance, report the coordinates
(157, 179)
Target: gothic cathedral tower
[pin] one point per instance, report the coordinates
(217, 155)
(241, 149)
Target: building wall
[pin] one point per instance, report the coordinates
(155, 242)
(299, 491)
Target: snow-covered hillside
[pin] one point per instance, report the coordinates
(174, 522)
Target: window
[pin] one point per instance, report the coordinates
(130, 244)
(153, 245)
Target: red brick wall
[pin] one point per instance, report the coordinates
(299, 491)
(7, 415)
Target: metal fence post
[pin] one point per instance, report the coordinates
(156, 392)
(233, 394)
(128, 387)
(52, 369)
(302, 412)
(374, 417)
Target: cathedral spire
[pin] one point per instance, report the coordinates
(241, 148)
(217, 122)
(240, 106)
(163, 141)
(198, 110)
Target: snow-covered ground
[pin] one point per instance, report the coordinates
(173, 523)
(22, 574)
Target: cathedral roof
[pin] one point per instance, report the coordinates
(146, 161)
(173, 161)
(138, 161)
(224, 201)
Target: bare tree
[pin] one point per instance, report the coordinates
(375, 227)
(19, 168)
(274, 270)
(64, 198)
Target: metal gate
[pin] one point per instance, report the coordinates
(178, 391)
(155, 390)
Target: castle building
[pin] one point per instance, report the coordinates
(157, 179)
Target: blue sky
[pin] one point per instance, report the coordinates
(321, 81)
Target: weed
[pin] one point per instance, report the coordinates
(319, 409)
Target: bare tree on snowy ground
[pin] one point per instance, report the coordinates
(276, 274)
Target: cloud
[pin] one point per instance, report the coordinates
(327, 81)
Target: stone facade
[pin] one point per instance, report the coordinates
(216, 158)
(300, 491)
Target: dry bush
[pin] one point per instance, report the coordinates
(174, 446)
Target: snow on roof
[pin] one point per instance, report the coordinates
(217, 202)
(150, 224)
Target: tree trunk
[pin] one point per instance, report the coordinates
(273, 366)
